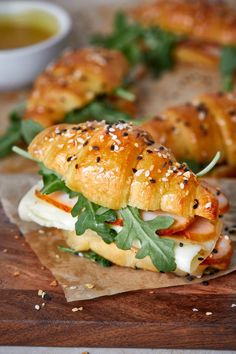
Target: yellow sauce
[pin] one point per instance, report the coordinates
(27, 28)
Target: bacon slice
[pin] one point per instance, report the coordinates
(221, 255)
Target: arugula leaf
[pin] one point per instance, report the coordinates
(88, 218)
(210, 166)
(17, 131)
(158, 49)
(29, 129)
(228, 66)
(99, 110)
(152, 46)
(94, 257)
(12, 135)
(125, 38)
(160, 250)
(23, 153)
(125, 94)
(52, 182)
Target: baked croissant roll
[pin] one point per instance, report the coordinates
(115, 177)
(73, 81)
(196, 131)
(205, 25)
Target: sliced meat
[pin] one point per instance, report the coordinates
(221, 254)
(200, 230)
(222, 199)
(180, 222)
(59, 199)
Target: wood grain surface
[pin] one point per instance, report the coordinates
(162, 318)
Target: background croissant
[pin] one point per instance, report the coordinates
(73, 81)
(119, 165)
(204, 25)
(196, 131)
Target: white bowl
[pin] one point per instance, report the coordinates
(20, 66)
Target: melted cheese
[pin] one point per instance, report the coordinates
(187, 252)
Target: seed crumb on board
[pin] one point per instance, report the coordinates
(16, 237)
(54, 283)
(89, 286)
(5, 250)
(233, 305)
(208, 313)
(37, 307)
(195, 310)
(76, 309)
(16, 274)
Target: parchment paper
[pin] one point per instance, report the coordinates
(80, 278)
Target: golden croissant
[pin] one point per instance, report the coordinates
(204, 25)
(196, 131)
(73, 81)
(117, 167)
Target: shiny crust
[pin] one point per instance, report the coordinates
(196, 131)
(73, 81)
(202, 20)
(119, 165)
(197, 54)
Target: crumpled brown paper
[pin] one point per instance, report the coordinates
(80, 278)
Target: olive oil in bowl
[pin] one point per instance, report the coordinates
(26, 29)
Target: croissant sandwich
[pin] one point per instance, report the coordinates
(74, 81)
(116, 192)
(196, 131)
(205, 26)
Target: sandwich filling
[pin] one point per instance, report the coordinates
(197, 242)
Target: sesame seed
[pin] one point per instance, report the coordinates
(112, 148)
(205, 283)
(96, 148)
(98, 159)
(195, 204)
(125, 134)
(147, 173)
(195, 310)
(215, 250)
(181, 244)
(134, 170)
(233, 305)
(40, 292)
(200, 258)
(181, 185)
(89, 286)
(75, 309)
(208, 313)
(149, 151)
(136, 145)
(164, 179)
(37, 307)
(208, 205)
(152, 180)
(139, 172)
(139, 157)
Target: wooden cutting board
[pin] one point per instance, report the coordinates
(161, 318)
